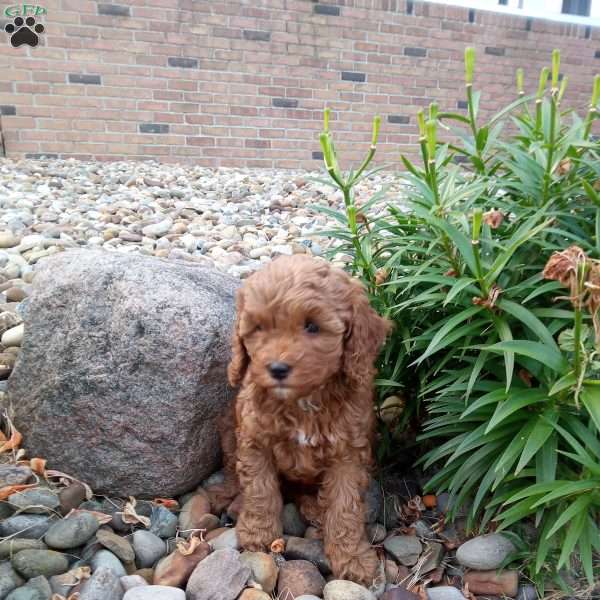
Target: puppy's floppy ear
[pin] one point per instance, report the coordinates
(365, 334)
(239, 357)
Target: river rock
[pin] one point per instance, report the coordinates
(292, 521)
(13, 337)
(485, 552)
(72, 531)
(228, 539)
(163, 522)
(102, 585)
(194, 511)
(346, 590)
(117, 544)
(254, 594)
(404, 548)
(493, 583)
(9, 579)
(399, 593)
(220, 576)
(123, 378)
(39, 500)
(444, 592)
(305, 549)
(14, 475)
(8, 548)
(33, 563)
(298, 577)
(37, 588)
(176, 568)
(154, 592)
(263, 568)
(131, 581)
(149, 548)
(25, 526)
(105, 559)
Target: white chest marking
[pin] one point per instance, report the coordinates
(308, 404)
(305, 440)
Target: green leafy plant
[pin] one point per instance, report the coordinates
(488, 266)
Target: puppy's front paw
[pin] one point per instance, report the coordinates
(255, 535)
(361, 568)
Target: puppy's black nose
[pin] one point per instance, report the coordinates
(279, 370)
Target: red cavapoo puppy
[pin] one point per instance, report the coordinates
(303, 350)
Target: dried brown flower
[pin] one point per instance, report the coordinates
(381, 276)
(526, 377)
(564, 267)
(490, 301)
(592, 293)
(493, 218)
(564, 166)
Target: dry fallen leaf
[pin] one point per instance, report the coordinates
(166, 502)
(467, 594)
(278, 546)
(67, 479)
(14, 442)
(6, 491)
(129, 515)
(101, 517)
(188, 547)
(38, 465)
(430, 500)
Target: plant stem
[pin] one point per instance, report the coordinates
(551, 141)
(351, 214)
(473, 125)
(577, 341)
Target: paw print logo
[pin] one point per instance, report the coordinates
(24, 31)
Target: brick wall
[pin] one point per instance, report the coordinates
(244, 82)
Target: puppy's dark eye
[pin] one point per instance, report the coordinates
(311, 327)
(258, 328)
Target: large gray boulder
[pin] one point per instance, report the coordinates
(122, 372)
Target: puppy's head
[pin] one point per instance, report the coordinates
(301, 322)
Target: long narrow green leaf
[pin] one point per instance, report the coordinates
(516, 400)
(458, 287)
(540, 352)
(573, 534)
(590, 398)
(537, 438)
(569, 488)
(530, 320)
(446, 329)
(505, 334)
(579, 505)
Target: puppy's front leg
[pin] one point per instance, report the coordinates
(259, 522)
(350, 554)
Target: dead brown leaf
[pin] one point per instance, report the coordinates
(278, 546)
(6, 491)
(101, 517)
(38, 465)
(129, 515)
(67, 479)
(166, 502)
(13, 442)
(189, 547)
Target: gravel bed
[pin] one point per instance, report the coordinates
(236, 219)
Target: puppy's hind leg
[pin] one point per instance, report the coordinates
(222, 494)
